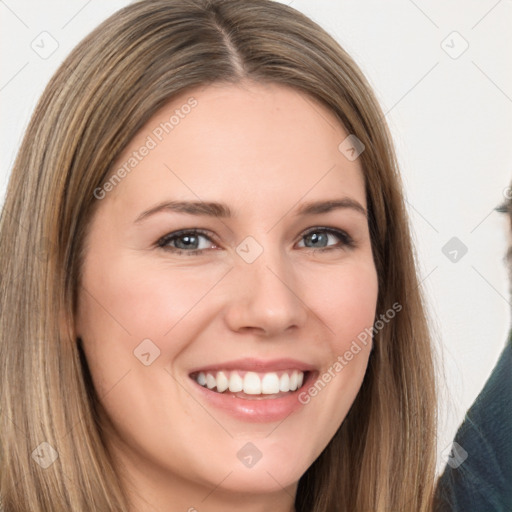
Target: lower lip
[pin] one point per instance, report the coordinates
(258, 409)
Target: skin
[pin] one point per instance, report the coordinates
(263, 150)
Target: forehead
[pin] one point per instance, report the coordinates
(252, 144)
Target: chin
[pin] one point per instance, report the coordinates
(260, 481)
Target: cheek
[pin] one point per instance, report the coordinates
(345, 299)
(345, 302)
(125, 303)
(144, 298)
(159, 300)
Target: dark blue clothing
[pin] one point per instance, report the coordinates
(483, 481)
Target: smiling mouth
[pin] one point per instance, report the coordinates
(251, 385)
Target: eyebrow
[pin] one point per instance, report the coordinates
(221, 210)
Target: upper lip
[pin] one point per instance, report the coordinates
(257, 365)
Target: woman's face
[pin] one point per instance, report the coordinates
(234, 249)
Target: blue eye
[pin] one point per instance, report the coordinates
(185, 242)
(194, 242)
(319, 239)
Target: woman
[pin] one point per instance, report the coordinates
(175, 333)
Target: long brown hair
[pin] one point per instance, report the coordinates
(382, 457)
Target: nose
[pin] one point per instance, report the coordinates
(265, 297)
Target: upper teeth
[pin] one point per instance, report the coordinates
(251, 383)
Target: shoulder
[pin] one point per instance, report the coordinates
(479, 474)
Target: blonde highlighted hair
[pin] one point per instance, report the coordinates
(382, 458)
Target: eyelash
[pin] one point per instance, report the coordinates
(347, 241)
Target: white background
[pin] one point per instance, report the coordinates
(450, 119)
